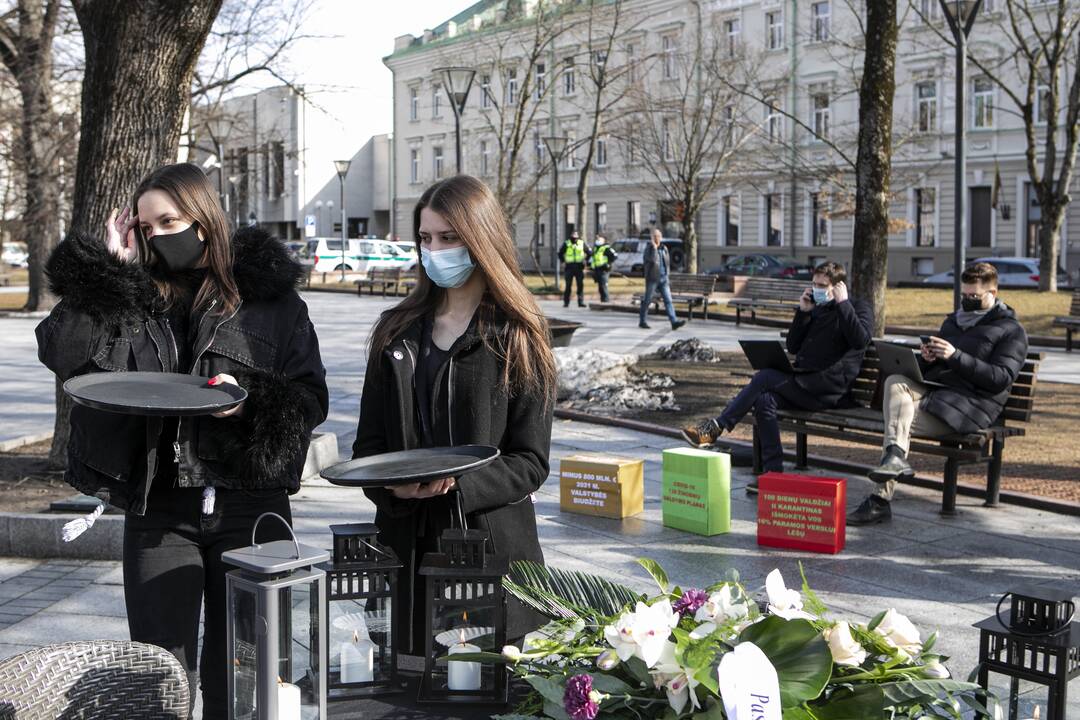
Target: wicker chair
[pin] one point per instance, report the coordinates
(96, 680)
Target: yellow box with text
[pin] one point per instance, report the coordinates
(602, 485)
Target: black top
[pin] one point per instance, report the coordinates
(432, 359)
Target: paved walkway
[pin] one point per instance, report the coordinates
(943, 574)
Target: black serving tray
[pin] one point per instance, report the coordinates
(153, 393)
(410, 466)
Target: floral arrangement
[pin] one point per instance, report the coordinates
(715, 654)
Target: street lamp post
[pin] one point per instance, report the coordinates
(458, 82)
(556, 146)
(960, 14)
(342, 167)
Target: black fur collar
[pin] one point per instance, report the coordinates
(262, 266)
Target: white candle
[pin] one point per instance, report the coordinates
(288, 701)
(463, 675)
(357, 659)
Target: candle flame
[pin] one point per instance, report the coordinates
(280, 681)
(462, 636)
(465, 616)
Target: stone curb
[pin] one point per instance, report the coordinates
(16, 443)
(37, 535)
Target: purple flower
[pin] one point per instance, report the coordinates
(692, 599)
(578, 699)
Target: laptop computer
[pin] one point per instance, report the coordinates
(764, 354)
(897, 359)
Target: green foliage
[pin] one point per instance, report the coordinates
(562, 594)
(657, 572)
(798, 652)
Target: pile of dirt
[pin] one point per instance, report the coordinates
(689, 350)
(28, 483)
(609, 383)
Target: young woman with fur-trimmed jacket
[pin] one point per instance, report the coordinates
(169, 291)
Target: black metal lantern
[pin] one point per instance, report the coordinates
(1040, 643)
(466, 613)
(361, 607)
(276, 630)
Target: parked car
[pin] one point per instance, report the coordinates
(1016, 272)
(15, 255)
(360, 255)
(763, 265)
(629, 251)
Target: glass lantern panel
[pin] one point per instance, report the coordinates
(360, 648)
(460, 624)
(298, 643)
(244, 609)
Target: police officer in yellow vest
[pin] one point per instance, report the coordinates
(600, 261)
(574, 254)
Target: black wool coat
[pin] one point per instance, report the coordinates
(989, 356)
(468, 406)
(832, 339)
(110, 319)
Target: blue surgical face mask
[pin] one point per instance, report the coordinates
(820, 296)
(448, 268)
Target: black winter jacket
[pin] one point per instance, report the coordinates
(110, 319)
(831, 338)
(468, 406)
(989, 356)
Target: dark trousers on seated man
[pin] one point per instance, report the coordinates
(767, 392)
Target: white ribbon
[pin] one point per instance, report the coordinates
(77, 527)
(749, 685)
(208, 497)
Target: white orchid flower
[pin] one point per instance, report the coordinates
(844, 648)
(642, 633)
(936, 671)
(621, 636)
(900, 633)
(722, 606)
(676, 681)
(783, 601)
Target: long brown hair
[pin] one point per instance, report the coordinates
(195, 198)
(522, 338)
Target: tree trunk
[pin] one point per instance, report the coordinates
(870, 253)
(1049, 242)
(140, 56)
(690, 238)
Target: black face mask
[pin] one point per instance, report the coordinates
(970, 304)
(179, 251)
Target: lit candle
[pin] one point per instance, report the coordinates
(358, 659)
(288, 701)
(463, 675)
(1035, 716)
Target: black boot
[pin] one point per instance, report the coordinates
(873, 510)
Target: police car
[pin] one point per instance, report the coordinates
(361, 255)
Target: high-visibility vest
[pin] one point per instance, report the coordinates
(575, 252)
(599, 259)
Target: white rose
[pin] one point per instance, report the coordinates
(844, 648)
(900, 633)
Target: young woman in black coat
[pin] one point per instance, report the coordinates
(465, 359)
(168, 290)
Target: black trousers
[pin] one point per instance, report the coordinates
(172, 566)
(574, 271)
(601, 277)
(768, 390)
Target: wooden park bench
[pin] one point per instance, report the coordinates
(1071, 321)
(692, 289)
(863, 424)
(387, 279)
(762, 293)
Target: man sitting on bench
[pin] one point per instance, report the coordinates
(976, 357)
(828, 336)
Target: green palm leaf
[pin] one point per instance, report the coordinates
(564, 594)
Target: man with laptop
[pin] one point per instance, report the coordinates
(828, 336)
(958, 383)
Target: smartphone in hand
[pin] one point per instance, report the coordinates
(925, 339)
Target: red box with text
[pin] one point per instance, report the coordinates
(799, 512)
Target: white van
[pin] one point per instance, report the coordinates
(361, 255)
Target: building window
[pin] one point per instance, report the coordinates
(820, 103)
(511, 86)
(633, 216)
(774, 122)
(279, 169)
(436, 102)
(264, 151)
(601, 151)
(732, 31)
(600, 58)
(731, 220)
(925, 217)
(538, 148)
(774, 30)
(541, 80)
(485, 91)
(669, 65)
(601, 216)
(631, 62)
(774, 220)
(922, 267)
(982, 98)
(668, 138)
(414, 104)
(1042, 100)
(485, 157)
(571, 150)
(819, 221)
(569, 81)
(414, 165)
(437, 153)
(820, 15)
(926, 106)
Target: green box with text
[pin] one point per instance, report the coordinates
(697, 491)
